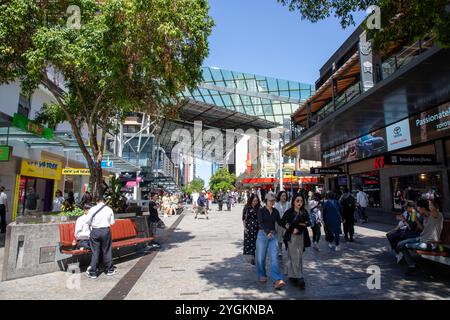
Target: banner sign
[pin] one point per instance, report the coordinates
(411, 159)
(326, 171)
(76, 172)
(25, 124)
(431, 124)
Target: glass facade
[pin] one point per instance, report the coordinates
(269, 98)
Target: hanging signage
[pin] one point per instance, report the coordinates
(107, 164)
(26, 124)
(366, 59)
(326, 170)
(47, 169)
(411, 159)
(5, 153)
(76, 172)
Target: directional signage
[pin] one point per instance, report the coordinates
(107, 164)
(411, 159)
(326, 170)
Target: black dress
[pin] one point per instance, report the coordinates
(250, 217)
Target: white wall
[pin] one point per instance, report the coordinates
(9, 98)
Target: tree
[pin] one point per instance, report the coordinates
(196, 185)
(128, 55)
(402, 21)
(222, 180)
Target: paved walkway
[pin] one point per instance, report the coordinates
(202, 259)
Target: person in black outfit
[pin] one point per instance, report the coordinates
(348, 204)
(153, 221)
(220, 197)
(250, 220)
(296, 237)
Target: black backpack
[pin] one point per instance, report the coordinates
(349, 203)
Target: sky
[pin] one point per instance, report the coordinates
(263, 37)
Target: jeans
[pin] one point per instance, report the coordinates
(265, 245)
(316, 233)
(333, 237)
(394, 238)
(362, 213)
(412, 243)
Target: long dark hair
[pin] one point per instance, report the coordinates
(250, 201)
(302, 208)
(280, 194)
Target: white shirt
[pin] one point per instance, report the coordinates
(82, 231)
(103, 219)
(361, 198)
(282, 208)
(3, 198)
(57, 204)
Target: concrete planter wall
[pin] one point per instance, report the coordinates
(32, 245)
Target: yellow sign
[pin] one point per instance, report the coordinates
(76, 172)
(47, 169)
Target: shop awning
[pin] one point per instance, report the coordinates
(10, 135)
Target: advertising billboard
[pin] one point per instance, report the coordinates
(431, 124)
(398, 135)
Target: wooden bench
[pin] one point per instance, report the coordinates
(436, 254)
(123, 232)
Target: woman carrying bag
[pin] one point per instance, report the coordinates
(296, 237)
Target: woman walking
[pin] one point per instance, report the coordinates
(332, 219)
(250, 220)
(296, 221)
(315, 217)
(282, 205)
(267, 242)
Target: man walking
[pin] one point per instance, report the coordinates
(201, 206)
(3, 209)
(220, 197)
(348, 204)
(100, 219)
(362, 202)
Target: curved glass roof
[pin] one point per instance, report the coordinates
(265, 97)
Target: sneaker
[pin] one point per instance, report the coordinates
(337, 248)
(316, 246)
(399, 257)
(330, 246)
(279, 284)
(263, 279)
(111, 271)
(92, 275)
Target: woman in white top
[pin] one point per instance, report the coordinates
(59, 200)
(282, 205)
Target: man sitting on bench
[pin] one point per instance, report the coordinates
(432, 228)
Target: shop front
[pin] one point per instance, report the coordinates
(40, 177)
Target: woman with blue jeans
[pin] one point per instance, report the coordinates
(267, 243)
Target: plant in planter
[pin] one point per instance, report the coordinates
(114, 197)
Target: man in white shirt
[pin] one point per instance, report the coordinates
(362, 202)
(3, 209)
(82, 231)
(99, 219)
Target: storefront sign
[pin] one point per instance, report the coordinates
(5, 153)
(25, 124)
(411, 159)
(398, 135)
(47, 169)
(76, 172)
(326, 171)
(378, 163)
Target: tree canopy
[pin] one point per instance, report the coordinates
(223, 180)
(196, 185)
(128, 55)
(402, 21)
